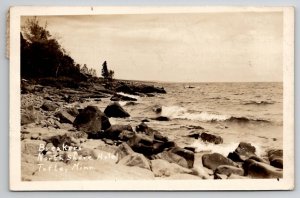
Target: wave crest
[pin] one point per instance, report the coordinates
(176, 112)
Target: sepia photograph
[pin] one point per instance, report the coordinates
(187, 96)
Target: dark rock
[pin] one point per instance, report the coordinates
(49, 106)
(259, 170)
(115, 110)
(118, 97)
(125, 135)
(65, 117)
(162, 118)
(194, 134)
(242, 152)
(157, 109)
(276, 158)
(212, 161)
(186, 154)
(145, 120)
(228, 170)
(91, 120)
(150, 132)
(206, 137)
(115, 130)
(193, 149)
(125, 88)
(141, 143)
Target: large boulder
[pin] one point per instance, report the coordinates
(229, 170)
(115, 130)
(65, 117)
(143, 128)
(206, 137)
(163, 168)
(259, 170)
(115, 110)
(212, 161)
(172, 158)
(91, 120)
(49, 106)
(242, 152)
(141, 143)
(186, 154)
(276, 158)
(123, 150)
(137, 160)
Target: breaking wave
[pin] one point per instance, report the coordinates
(176, 112)
(223, 149)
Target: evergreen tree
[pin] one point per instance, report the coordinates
(105, 72)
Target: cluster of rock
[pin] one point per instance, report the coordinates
(141, 146)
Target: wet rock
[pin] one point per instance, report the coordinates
(162, 168)
(194, 134)
(65, 117)
(259, 170)
(206, 137)
(228, 170)
(49, 106)
(141, 143)
(91, 120)
(118, 97)
(137, 160)
(212, 161)
(125, 135)
(114, 131)
(162, 118)
(157, 109)
(186, 154)
(276, 158)
(151, 132)
(242, 152)
(115, 110)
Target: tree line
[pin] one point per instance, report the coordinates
(43, 56)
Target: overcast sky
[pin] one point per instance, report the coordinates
(203, 47)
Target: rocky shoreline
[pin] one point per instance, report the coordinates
(62, 140)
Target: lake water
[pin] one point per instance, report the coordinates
(250, 112)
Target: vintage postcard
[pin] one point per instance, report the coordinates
(151, 98)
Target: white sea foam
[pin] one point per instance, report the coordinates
(223, 149)
(182, 113)
(128, 95)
